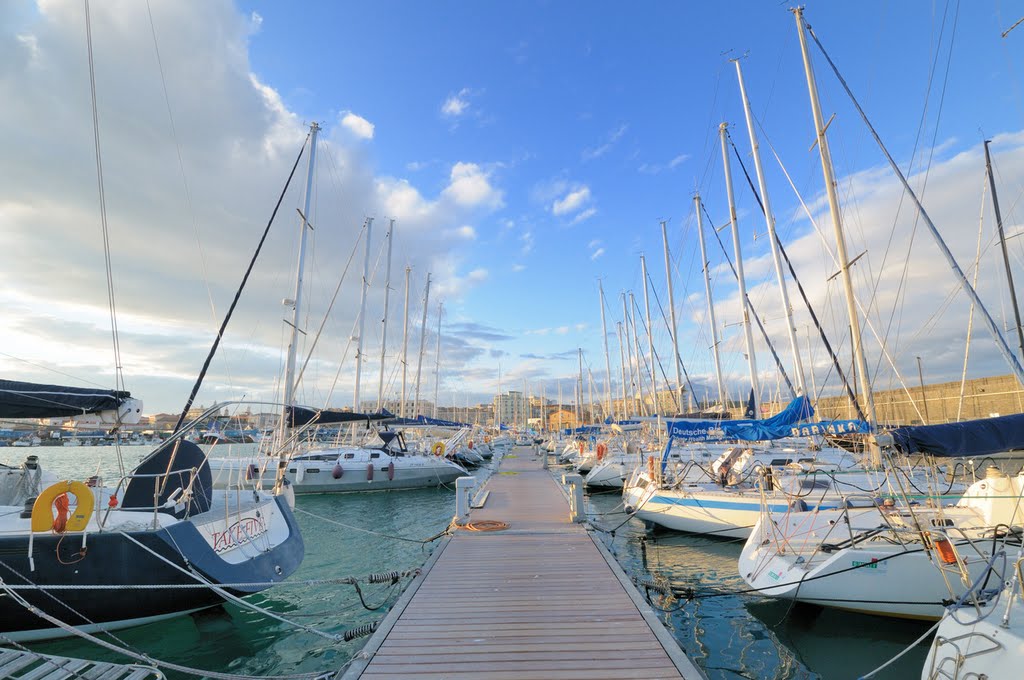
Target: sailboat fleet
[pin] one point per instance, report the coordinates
(874, 531)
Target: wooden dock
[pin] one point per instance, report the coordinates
(538, 600)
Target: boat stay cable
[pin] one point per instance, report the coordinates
(803, 295)
(238, 293)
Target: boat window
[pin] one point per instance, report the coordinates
(779, 462)
(384, 469)
(374, 455)
(349, 456)
(811, 484)
(312, 471)
(292, 470)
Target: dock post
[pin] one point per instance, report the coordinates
(463, 491)
(544, 460)
(575, 484)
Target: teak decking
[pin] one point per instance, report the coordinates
(538, 600)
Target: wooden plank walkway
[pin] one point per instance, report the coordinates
(541, 599)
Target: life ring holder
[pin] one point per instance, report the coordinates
(437, 449)
(42, 509)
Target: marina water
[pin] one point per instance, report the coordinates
(728, 634)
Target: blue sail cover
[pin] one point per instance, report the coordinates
(782, 424)
(980, 437)
(33, 400)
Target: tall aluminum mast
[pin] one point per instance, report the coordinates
(289, 372)
(629, 351)
(423, 337)
(622, 369)
(362, 316)
(437, 359)
(672, 315)
(711, 305)
(723, 131)
(837, 226)
(650, 337)
(405, 340)
(770, 221)
(384, 321)
(607, 362)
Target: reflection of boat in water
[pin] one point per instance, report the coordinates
(835, 641)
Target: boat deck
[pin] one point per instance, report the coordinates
(540, 599)
(26, 665)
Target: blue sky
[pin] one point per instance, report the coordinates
(526, 149)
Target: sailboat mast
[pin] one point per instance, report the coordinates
(405, 340)
(423, 338)
(637, 355)
(650, 336)
(362, 316)
(770, 220)
(607, 361)
(837, 226)
(711, 306)
(437, 358)
(672, 316)
(579, 389)
(629, 351)
(723, 131)
(384, 321)
(622, 368)
(289, 373)
(1002, 243)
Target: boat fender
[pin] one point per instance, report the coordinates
(470, 444)
(338, 471)
(300, 473)
(42, 509)
(650, 466)
(369, 472)
(437, 449)
(581, 446)
(391, 470)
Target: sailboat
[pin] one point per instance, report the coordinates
(106, 554)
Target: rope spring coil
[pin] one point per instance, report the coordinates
(361, 631)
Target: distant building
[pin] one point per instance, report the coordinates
(511, 408)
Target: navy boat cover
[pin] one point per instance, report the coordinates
(980, 437)
(33, 400)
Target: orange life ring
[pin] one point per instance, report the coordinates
(581, 446)
(437, 449)
(602, 449)
(42, 509)
(470, 444)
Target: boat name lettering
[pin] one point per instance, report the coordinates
(873, 563)
(834, 427)
(242, 531)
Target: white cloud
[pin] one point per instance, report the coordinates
(357, 125)
(572, 201)
(562, 330)
(584, 215)
(255, 22)
(678, 160)
(456, 105)
(610, 141)
(470, 186)
(518, 267)
(237, 139)
(595, 243)
(465, 232)
(527, 239)
(597, 253)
